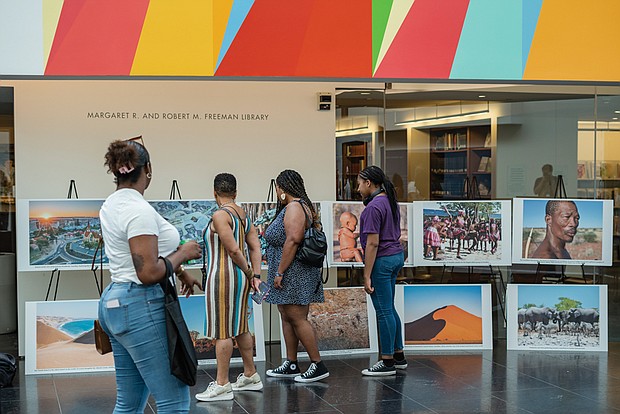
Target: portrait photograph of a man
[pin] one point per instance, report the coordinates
(562, 231)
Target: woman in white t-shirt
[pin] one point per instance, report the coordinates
(131, 309)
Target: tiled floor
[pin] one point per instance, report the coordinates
(494, 381)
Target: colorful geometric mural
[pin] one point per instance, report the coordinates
(386, 39)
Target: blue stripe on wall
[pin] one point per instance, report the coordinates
(531, 11)
(490, 42)
(238, 13)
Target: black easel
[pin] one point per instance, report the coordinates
(470, 188)
(174, 191)
(93, 268)
(56, 272)
(72, 189)
(271, 193)
(498, 276)
(560, 190)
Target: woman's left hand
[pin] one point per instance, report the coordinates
(368, 285)
(277, 282)
(187, 284)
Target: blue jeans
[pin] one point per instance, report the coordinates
(133, 316)
(383, 279)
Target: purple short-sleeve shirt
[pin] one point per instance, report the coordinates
(377, 218)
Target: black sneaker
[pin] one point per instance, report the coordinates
(315, 372)
(379, 370)
(400, 364)
(288, 369)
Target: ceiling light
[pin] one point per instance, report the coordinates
(459, 114)
(352, 123)
(617, 112)
(482, 96)
(364, 93)
(615, 118)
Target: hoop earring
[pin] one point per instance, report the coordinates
(149, 175)
(282, 196)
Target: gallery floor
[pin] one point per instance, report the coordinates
(495, 381)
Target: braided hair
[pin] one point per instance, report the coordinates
(125, 159)
(290, 182)
(376, 176)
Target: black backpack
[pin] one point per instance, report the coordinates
(7, 369)
(313, 247)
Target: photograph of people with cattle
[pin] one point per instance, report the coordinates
(558, 317)
(563, 231)
(461, 233)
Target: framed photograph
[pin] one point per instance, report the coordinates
(557, 317)
(462, 233)
(60, 338)
(345, 248)
(189, 217)
(58, 234)
(446, 316)
(562, 231)
(262, 214)
(194, 312)
(344, 324)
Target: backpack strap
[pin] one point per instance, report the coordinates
(308, 220)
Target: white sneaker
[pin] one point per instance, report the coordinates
(216, 392)
(244, 383)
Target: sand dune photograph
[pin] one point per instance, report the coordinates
(443, 315)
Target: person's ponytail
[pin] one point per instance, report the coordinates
(376, 176)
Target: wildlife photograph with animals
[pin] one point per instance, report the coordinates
(558, 316)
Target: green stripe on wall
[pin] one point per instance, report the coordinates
(380, 15)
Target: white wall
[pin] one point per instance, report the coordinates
(55, 142)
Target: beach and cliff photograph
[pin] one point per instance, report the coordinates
(65, 339)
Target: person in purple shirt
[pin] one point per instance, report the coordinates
(384, 257)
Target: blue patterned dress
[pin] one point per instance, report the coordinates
(301, 284)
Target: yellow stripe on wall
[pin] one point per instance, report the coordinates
(176, 39)
(51, 15)
(221, 14)
(575, 41)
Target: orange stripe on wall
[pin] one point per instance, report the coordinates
(177, 39)
(575, 40)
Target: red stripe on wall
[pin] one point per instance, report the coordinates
(96, 37)
(268, 42)
(320, 38)
(338, 42)
(426, 43)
